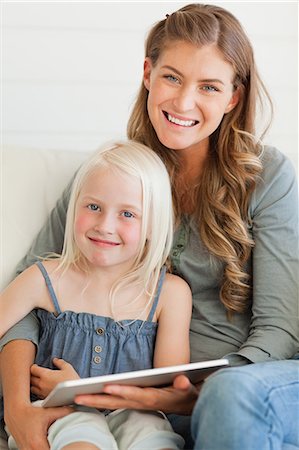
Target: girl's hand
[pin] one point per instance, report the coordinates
(29, 424)
(178, 398)
(43, 380)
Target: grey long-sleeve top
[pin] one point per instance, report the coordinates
(270, 329)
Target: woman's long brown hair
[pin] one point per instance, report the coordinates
(224, 188)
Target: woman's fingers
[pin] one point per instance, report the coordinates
(169, 399)
(181, 382)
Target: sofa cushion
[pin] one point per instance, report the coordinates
(31, 182)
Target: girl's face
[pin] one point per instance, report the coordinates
(108, 219)
(189, 90)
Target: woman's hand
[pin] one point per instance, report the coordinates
(29, 424)
(43, 380)
(178, 398)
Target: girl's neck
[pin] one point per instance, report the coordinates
(106, 276)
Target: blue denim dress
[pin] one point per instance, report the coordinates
(95, 345)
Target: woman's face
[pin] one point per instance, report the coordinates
(189, 90)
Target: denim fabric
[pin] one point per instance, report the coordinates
(181, 425)
(95, 345)
(253, 407)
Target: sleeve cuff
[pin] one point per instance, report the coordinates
(27, 329)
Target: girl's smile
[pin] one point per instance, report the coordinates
(189, 90)
(103, 243)
(108, 219)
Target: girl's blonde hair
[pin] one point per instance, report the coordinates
(223, 190)
(138, 161)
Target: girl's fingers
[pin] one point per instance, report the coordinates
(34, 381)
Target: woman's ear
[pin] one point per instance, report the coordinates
(147, 67)
(233, 101)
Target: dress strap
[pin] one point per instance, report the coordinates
(49, 286)
(156, 299)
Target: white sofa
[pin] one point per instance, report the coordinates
(31, 182)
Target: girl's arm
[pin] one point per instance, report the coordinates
(20, 297)
(43, 380)
(174, 314)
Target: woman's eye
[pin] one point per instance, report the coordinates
(128, 214)
(172, 78)
(93, 207)
(209, 88)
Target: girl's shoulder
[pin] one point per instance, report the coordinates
(33, 278)
(28, 284)
(51, 264)
(175, 288)
(174, 281)
(175, 298)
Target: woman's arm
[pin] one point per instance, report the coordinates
(274, 327)
(27, 329)
(27, 424)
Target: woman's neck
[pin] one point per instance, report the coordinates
(192, 164)
(193, 160)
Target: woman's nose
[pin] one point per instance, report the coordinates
(184, 100)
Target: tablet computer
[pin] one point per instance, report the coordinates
(65, 392)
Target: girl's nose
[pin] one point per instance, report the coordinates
(184, 100)
(105, 224)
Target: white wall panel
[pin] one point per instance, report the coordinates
(64, 108)
(109, 15)
(61, 55)
(70, 70)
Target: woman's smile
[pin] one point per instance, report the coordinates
(182, 122)
(189, 90)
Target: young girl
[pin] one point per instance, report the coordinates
(236, 241)
(100, 302)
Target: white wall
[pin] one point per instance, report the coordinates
(71, 69)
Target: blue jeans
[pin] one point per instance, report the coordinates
(252, 407)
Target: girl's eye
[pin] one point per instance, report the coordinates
(128, 214)
(93, 207)
(172, 78)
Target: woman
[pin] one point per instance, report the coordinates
(235, 244)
